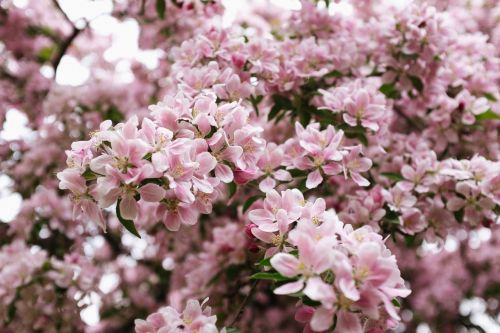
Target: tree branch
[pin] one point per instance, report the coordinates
(63, 48)
(239, 312)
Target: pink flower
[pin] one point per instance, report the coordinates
(364, 109)
(70, 179)
(353, 164)
(314, 259)
(397, 198)
(288, 204)
(320, 152)
(223, 154)
(268, 163)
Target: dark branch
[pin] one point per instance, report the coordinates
(247, 298)
(63, 48)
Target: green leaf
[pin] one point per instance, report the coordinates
(490, 97)
(255, 102)
(232, 188)
(160, 8)
(280, 103)
(396, 303)
(416, 82)
(128, 224)
(392, 176)
(269, 276)
(89, 174)
(232, 330)
(389, 90)
(334, 73)
(264, 262)
(488, 115)
(493, 290)
(274, 112)
(298, 173)
(459, 215)
(45, 54)
(157, 181)
(113, 114)
(250, 201)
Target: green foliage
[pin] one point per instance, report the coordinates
(392, 176)
(390, 91)
(488, 115)
(417, 83)
(274, 276)
(161, 7)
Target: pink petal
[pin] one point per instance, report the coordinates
(286, 264)
(289, 288)
(348, 322)
(282, 175)
(128, 208)
(322, 319)
(360, 180)
(259, 216)
(314, 179)
(267, 184)
(152, 192)
(224, 173)
(183, 193)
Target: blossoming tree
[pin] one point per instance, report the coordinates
(329, 168)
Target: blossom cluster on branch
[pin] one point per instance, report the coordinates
(294, 170)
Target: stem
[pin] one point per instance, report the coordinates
(241, 307)
(65, 46)
(408, 119)
(67, 42)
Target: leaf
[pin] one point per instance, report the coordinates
(89, 175)
(113, 114)
(488, 115)
(334, 73)
(493, 290)
(128, 224)
(396, 303)
(490, 97)
(160, 8)
(232, 188)
(255, 102)
(416, 82)
(232, 330)
(459, 215)
(264, 262)
(298, 173)
(250, 201)
(389, 90)
(157, 181)
(269, 276)
(280, 103)
(274, 112)
(45, 54)
(392, 176)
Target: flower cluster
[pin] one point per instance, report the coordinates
(57, 289)
(263, 125)
(194, 318)
(346, 271)
(178, 161)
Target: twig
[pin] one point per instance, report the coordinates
(64, 47)
(408, 119)
(67, 42)
(56, 3)
(239, 312)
